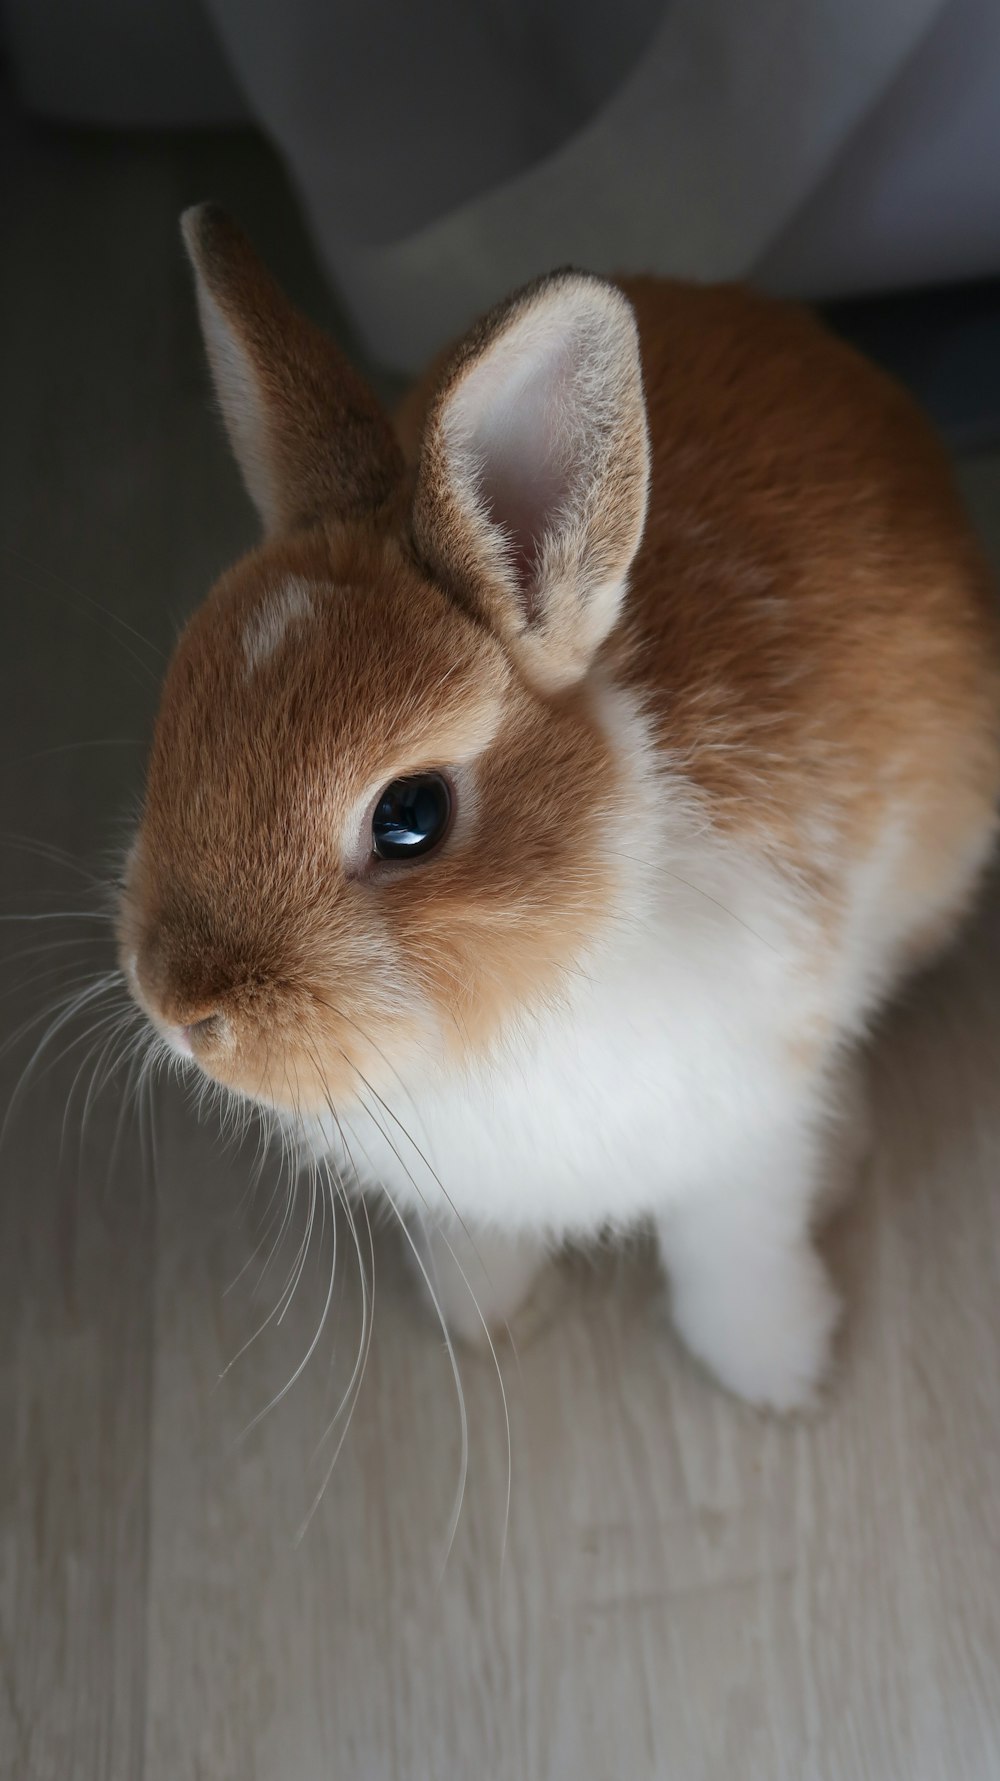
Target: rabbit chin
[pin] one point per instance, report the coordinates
(293, 1082)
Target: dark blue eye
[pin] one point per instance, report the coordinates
(411, 817)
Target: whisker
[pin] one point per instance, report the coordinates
(464, 1276)
(133, 1061)
(456, 1375)
(113, 1019)
(51, 975)
(75, 1004)
(52, 856)
(43, 754)
(352, 1390)
(268, 1223)
(475, 1301)
(342, 1015)
(97, 612)
(321, 1323)
(449, 1345)
(276, 1309)
(700, 891)
(58, 915)
(100, 1075)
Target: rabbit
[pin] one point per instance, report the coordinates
(537, 819)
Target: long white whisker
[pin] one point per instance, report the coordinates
(73, 1007)
(456, 1375)
(99, 1074)
(352, 1390)
(58, 915)
(317, 1333)
(479, 1313)
(113, 1019)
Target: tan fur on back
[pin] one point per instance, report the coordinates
(810, 620)
(816, 626)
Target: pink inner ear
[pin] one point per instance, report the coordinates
(531, 487)
(523, 509)
(528, 448)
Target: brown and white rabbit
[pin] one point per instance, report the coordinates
(540, 818)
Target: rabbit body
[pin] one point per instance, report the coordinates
(724, 753)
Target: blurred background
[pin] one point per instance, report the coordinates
(441, 155)
(687, 1591)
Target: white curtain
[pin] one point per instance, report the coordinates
(448, 150)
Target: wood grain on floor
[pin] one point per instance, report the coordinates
(688, 1592)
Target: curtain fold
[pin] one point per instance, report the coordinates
(446, 152)
(693, 165)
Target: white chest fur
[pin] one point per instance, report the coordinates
(685, 1075)
(674, 1047)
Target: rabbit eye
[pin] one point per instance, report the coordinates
(411, 817)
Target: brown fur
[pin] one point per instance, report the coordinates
(809, 606)
(238, 900)
(815, 623)
(360, 463)
(809, 628)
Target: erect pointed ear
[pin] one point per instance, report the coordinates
(309, 436)
(532, 480)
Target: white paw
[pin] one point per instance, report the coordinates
(765, 1333)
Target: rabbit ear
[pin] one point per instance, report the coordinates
(309, 436)
(531, 486)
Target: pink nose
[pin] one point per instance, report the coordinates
(185, 1038)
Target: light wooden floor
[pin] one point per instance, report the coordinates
(689, 1593)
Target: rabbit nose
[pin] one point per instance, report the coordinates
(194, 1035)
(198, 1033)
(187, 1002)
